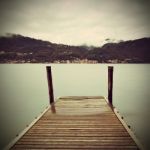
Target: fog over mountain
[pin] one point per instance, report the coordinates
(20, 49)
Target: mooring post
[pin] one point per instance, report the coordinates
(50, 84)
(110, 85)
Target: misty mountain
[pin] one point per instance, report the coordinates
(19, 49)
(135, 51)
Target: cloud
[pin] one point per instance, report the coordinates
(76, 21)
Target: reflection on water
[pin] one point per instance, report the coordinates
(24, 93)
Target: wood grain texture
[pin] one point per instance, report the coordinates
(78, 123)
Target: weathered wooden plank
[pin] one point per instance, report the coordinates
(27, 137)
(69, 146)
(81, 142)
(54, 133)
(78, 123)
(81, 97)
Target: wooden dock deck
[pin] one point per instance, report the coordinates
(78, 123)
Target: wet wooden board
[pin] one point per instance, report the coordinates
(78, 123)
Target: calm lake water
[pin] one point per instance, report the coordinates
(24, 93)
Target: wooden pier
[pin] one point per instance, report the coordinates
(78, 123)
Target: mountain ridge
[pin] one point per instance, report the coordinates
(16, 48)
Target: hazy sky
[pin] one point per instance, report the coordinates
(76, 22)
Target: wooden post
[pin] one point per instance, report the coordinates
(50, 84)
(110, 85)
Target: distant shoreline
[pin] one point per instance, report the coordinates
(20, 49)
